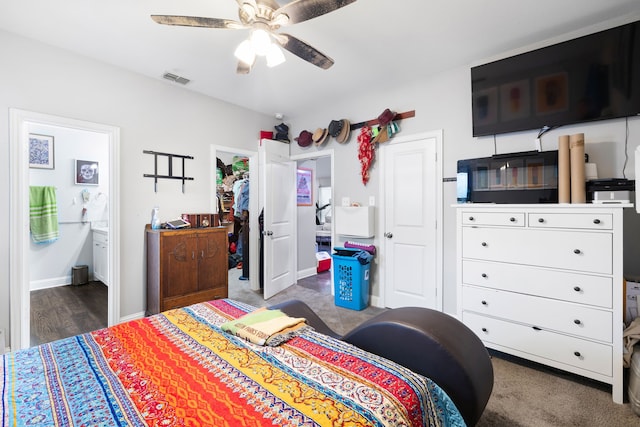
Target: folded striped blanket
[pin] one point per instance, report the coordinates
(266, 327)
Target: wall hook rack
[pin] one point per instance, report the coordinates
(170, 157)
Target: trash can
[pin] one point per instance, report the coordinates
(79, 275)
(351, 279)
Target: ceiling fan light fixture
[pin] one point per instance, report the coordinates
(245, 52)
(260, 41)
(275, 56)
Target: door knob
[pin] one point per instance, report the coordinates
(388, 235)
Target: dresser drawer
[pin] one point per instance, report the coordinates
(493, 218)
(544, 313)
(581, 251)
(585, 221)
(583, 354)
(560, 285)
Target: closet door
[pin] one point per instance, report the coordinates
(278, 188)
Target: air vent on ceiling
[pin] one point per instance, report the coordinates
(175, 78)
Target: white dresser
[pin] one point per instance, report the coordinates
(545, 283)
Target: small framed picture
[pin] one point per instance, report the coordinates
(41, 151)
(304, 187)
(87, 172)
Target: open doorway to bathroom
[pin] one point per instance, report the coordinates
(315, 226)
(82, 202)
(69, 272)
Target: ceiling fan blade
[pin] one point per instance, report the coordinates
(197, 21)
(303, 50)
(303, 10)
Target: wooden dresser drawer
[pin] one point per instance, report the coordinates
(494, 218)
(584, 221)
(555, 347)
(544, 313)
(580, 251)
(560, 285)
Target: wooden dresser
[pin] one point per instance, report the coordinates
(185, 267)
(545, 283)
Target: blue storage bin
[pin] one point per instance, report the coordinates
(351, 280)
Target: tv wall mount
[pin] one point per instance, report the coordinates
(170, 174)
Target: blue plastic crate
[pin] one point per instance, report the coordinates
(351, 281)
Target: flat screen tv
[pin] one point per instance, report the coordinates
(594, 77)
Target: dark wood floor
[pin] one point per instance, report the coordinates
(65, 311)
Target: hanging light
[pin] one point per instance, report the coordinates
(259, 44)
(274, 55)
(261, 41)
(245, 53)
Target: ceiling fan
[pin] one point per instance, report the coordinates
(264, 17)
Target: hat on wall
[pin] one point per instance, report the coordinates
(320, 136)
(386, 117)
(345, 131)
(304, 140)
(335, 127)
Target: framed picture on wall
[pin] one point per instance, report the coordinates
(41, 151)
(87, 172)
(304, 187)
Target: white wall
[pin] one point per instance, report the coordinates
(444, 102)
(151, 114)
(50, 263)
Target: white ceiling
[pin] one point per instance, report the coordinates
(375, 43)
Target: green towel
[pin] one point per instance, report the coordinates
(43, 214)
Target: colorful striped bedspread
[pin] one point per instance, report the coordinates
(178, 368)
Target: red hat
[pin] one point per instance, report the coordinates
(386, 117)
(304, 140)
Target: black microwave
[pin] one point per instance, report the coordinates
(527, 177)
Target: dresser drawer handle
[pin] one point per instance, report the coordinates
(596, 221)
(577, 288)
(484, 329)
(471, 218)
(577, 354)
(483, 302)
(535, 328)
(484, 275)
(484, 244)
(577, 251)
(577, 322)
(541, 220)
(512, 219)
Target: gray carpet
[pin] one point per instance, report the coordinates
(524, 394)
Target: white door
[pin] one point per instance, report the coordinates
(278, 178)
(412, 205)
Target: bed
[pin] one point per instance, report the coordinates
(180, 368)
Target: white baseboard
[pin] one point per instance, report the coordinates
(36, 285)
(307, 273)
(133, 316)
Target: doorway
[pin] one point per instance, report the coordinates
(22, 123)
(315, 227)
(248, 274)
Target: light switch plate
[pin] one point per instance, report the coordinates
(346, 201)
